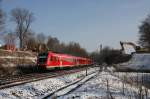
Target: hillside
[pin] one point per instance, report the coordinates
(10, 61)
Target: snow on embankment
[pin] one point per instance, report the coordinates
(38, 89)
(139, 61)
(17, 57)
(9, 60)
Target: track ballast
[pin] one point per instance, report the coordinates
(22, 79)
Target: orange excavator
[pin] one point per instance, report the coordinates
(137, 49)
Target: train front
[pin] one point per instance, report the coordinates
(42, 60)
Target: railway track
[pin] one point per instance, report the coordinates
(71, 87)
(18, 80)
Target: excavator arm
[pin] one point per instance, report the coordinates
(129, 43)
(135, 47)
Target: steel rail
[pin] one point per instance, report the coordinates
(18, 80)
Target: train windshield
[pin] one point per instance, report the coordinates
(42, 57)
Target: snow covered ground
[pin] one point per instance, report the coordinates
(40, 88)
(138, 62)
(103, 85)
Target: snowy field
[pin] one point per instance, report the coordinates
(38, 89)
(100, 85)
(105, 86)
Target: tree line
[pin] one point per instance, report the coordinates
(114, 56)
(29, 40)
(109, 56)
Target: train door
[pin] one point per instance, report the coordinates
(77, 61)
(60, 61)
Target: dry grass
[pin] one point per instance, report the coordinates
(17, 53)
(19, 65)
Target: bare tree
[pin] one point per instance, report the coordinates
(53, 43)
(28, 42)
(23, 19)
(41, 38)
(74, 48)
(144, 33)
(10, 38)
(2, 20)
(31, 43)
(2, 23)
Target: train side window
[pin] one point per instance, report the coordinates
(54, 59)
(51, 59)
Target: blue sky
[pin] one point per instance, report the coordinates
(89, 22)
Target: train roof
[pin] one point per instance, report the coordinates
(66, 55)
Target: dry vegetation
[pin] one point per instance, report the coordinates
(17, 53)
(12, 63)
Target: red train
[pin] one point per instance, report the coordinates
(49, 60)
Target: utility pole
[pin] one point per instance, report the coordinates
(100, 48)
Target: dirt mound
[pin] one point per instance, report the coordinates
(17, 53)
(11, 63)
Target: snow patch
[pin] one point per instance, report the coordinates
(105, 86)
(138, 61)
(39, 89)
